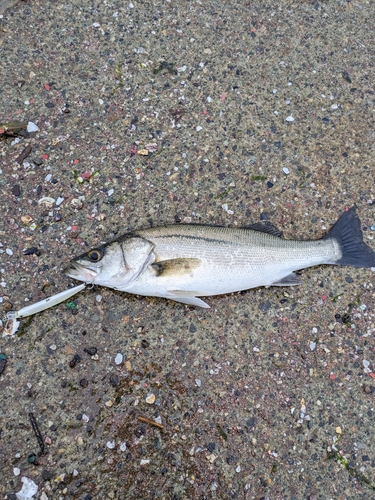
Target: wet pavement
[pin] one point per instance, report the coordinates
(199, 111)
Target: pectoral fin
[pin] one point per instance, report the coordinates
(291, 280)
(175, 267)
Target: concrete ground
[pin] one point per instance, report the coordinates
(248, 111)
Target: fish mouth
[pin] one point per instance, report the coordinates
(81, 273)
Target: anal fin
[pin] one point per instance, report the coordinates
(187, 297)
(291, 280)
(191, 301)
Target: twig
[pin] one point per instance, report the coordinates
(151, 422)
(37, 432)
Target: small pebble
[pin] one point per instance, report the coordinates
(111, 444)
(98, 298)
(16, 471)
(110, 192)
(114, 380)
(59, 201)
(91, 350)
(118, 359)
(26, 219)
(198, 382)
(76, 203)
(31, 127)
(31, 251)
(286, 170)
(53, 347)
(289, 118)
(338, 430)
(123, 446)
(312, 346)
(150, 399)
(16, 190)
(199, 128)
(9, 251)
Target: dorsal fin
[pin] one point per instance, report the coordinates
(265, 227)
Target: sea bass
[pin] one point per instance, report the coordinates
(184, 262)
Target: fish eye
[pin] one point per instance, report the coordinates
(95, 255)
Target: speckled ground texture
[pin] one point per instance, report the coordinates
(270, 393)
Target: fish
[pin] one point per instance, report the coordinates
(183, 262)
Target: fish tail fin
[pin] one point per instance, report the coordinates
(348, 234)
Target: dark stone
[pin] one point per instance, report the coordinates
(264, 216)
(231, 460)
(83, 382)
(264, 306)
(114, 380)
(269, 184)
(90, 350)
(192, 328)
(145, 343)
(140, 430)
(211, 447)
(32, 251)
(49, 105)
(250, 423)
(47, 475)
(3, 362)
(16, 190)
(349, 280)
(76, 359)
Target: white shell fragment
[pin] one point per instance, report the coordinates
(76, 203)
(46, 200)
(118, 358)
(28, 490)
(150, 399)
(45, 303)
(11, 327)
(31, 127)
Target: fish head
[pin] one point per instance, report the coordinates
(114, 265)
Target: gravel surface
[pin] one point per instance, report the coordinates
(144, 113)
